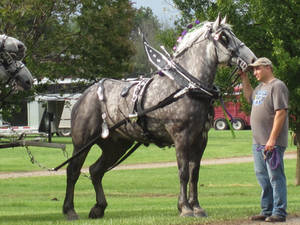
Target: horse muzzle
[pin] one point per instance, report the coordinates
(24, 79)
(244, 57)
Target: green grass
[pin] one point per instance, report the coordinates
(147, 196)
(220, 145)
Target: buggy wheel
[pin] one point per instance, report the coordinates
(238, 124)
(220, 124)
(64, 132)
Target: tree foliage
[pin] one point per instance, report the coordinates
(78, 38)
(149, 25)
(86, 39)
(155, 33)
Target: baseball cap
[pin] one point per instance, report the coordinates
(263, 61)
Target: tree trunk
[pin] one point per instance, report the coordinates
(298, 155)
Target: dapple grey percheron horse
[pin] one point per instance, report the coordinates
(184, 123)
(12, 70)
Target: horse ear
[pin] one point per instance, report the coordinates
(224, 20)
(217, 22)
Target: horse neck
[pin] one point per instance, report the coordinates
(201, 61)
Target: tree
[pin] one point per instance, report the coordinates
(150, 26)
(155, 33)
(82, 38)
(71, 38)
(271, 28)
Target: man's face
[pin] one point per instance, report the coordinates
(260, 72)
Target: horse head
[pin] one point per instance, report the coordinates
(18, 75)
(11, 69)
(229, 48)
(207, 44)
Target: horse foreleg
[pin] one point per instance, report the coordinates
(194, 167)
(73, 172)
(183, 170)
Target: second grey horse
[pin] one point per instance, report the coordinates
(12, 70)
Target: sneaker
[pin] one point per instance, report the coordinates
(259, 217)
(275, 218)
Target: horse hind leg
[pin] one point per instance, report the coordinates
(73, 173)
(194, 167)
(112, 151)
(182, 146)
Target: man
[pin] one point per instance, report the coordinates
(269, 123)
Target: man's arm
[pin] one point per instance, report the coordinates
(247, 89)
(279, 119)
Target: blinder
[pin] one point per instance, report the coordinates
(222, 38)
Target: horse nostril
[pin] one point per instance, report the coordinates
(253, 60)
(20, 46)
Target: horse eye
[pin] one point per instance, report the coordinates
(224, 39)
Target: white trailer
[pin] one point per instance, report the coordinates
(35, 116)
(52, 109)
(47, 109)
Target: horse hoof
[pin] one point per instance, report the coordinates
(186, 212)
(72, 215)
(96, 212)
(199, 212)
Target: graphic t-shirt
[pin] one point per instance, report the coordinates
(266, 99)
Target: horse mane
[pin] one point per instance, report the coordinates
(188, 38)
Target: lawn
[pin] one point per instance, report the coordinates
(138, 197)
(221, 144)
(147, 196)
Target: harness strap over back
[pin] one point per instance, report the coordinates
(139, 108)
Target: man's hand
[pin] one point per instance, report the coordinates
(279, 119)
(270, 144)
(242, 74)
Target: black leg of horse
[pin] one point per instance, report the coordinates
(112, 150)
(73, 172)
(194, 167)
(183, 170)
